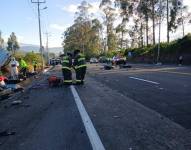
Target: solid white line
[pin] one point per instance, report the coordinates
(144, 80)
(91, 131)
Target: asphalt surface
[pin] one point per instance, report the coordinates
(48, 119)
(171, 96)
(142, 108)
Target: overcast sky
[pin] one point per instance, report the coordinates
(20, 16)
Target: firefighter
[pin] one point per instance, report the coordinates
(80, 66)
(67, 68)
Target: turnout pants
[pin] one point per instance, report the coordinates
(80, 74)
(67, 73)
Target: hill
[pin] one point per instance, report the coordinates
(35, 48)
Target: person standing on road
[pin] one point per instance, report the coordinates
(80, 66)
(67, 69)
(14, 69)
(34, 65)
(23, 66)
(180, 59)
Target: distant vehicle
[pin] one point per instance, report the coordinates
(55, 61)
(103, 59)
(118, 60)
(93, 60)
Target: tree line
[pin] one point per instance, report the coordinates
(139, 20)
(13, 47)
(12, 43)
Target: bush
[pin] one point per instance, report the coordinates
(169, 52)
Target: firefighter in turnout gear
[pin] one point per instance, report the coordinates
(67, 69)
(80, 66)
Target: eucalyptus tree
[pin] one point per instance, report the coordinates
(107, 6)
(12, 43)
(1, 41)
(183, 16)
(84, 34)
(121, 29)
(146, 10)
(176, 15)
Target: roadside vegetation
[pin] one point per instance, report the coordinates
(137, 30)
(14, 48)
(169, 52)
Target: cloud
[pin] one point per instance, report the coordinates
(59, 27)
(74, 7)
(95, 7)
(71, 8)
(20, 38)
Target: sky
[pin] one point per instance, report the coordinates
(20, 16)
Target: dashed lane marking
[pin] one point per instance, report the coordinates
(91, 131)
(144, 80)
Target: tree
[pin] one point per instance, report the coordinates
(120, 29)
(168, 25)
(109, 16)
(31, 56)
(84, 34)
(12, 43)
(146, 10)
(141, 11)
(1, 41)
(183, 16)
(175, 16)
(153, 4)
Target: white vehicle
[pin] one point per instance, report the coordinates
(93, 60)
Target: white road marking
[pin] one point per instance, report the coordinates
(91, 131)
(144, 80)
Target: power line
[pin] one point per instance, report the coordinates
(47, 42)
(32, 8)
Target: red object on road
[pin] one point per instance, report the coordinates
(54, 81)
(2, 78)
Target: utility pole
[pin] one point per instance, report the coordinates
(47, 41)
(39, 25)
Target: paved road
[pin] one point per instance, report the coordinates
(48, 119)
(166, 90)
(129, 110)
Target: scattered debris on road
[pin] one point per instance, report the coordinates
(7, 133)
(116, 117)
(18, 102)
(125, 66)
(39, 86)
(108, 67)
(4, 93)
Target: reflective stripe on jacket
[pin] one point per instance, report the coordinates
(66, 63)
(79, 61)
